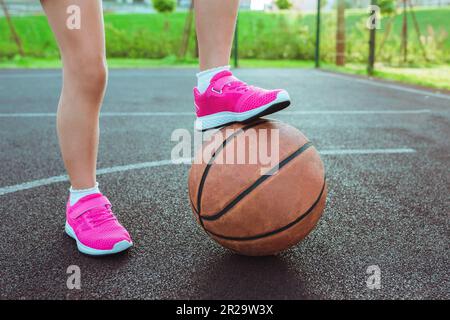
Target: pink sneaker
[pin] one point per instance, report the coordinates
(92, 224)
(228, 100)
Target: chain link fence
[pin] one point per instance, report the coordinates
(407, 33)
(411, 32)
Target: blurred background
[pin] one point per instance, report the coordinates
(410, 44)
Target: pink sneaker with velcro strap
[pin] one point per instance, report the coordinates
(228, 100)
(95, 228)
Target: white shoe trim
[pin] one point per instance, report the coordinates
(118, 247)
(221, 118)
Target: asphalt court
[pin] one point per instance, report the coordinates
(385, 148)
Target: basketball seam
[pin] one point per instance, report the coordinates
(210, 164)
(273, 232)
(259, 181)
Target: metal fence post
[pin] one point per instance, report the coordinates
(371, 58)
(236, 45)
(317, 51)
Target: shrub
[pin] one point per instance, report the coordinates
(164, 5)
(284, 4)
(387, 7)
(261, 36)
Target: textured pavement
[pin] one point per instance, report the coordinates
(384, 209)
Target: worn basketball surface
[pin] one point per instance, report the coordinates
(257, 207)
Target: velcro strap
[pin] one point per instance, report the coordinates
(89, 205)
(222, 82)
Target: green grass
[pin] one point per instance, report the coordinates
(51, 63)
(437, 76)
(114, 63)
(261, 36)
(283, 40)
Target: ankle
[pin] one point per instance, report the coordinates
(204, 77)
(77, 194)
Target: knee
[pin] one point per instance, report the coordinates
(90, 74)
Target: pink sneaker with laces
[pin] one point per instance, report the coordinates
(96, 230)
(228, 100)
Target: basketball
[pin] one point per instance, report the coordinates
(257, 188)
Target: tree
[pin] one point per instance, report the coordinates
(340, 33)
(348, 4)
(187, 31)
(372, 37)
(387, 7)
(388, 10)
(11, 28)
(283, 4)
(164, 6)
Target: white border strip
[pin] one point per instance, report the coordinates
(398, 87)
(169, 114)
(354, 112)
(365, 151)
(385, 85)
(152, 164)
(63, 178)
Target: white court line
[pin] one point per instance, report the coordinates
(27, 115)
(321, 72)
(31, 75)
(365, 151)
(144, 165)
(62, 178)
(355, 112)
(102, 114)
(166, 114)
(385, 85)
(125, 73)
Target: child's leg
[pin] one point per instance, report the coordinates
(89, 219)
(215, 21)
(85, 76)
(220, 98)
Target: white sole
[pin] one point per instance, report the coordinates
(118, 247)
(222, 118)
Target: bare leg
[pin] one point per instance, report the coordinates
(221, 98)
(215, 21)
(84, 82)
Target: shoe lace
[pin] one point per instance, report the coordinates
(100, 215)
(239, 86)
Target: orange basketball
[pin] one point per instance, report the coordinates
(257, 207)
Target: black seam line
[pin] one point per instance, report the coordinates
(270, 233)
(213, 157)
(193, 208)
(258, 182)
(192, 202)
(210, 163)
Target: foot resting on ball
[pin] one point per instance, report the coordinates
(227, 100)
(96, 230)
